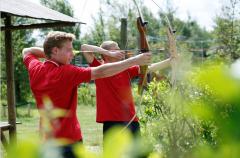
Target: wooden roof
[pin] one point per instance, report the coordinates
(26, 8)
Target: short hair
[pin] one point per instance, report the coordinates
(108, 45)
(56, 39)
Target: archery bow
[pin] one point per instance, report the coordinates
(172, 46)
(144, 47)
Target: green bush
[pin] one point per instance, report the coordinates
(87, 94)
(197, 118)
(165, 122)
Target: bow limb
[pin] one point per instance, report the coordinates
(173, 52)
(144, 47)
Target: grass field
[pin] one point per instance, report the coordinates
(92, 131)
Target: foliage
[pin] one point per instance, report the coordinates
(220, 107)
(97, 34)
(86, 95)
(227, 30)
(20, 39)
(62, 6)
(197, 118)
(191, 37)
(165, 123)
(124, 146)
(107, 24)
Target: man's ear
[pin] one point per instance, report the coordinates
(54, 51)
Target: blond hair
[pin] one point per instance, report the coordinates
(108, 45)
(56, 39)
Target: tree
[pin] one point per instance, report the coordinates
(97, 33)
(63, 6)
(227, 29)
(21, 39)
(108, 28)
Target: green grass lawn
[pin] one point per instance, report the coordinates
(92, 131)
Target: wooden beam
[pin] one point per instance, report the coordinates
(10, 82)
(37, 26)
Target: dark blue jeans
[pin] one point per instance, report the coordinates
(134, 127)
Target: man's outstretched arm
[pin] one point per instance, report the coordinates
(162, 64)
(36, 51)
(159, 65)
(111, 69)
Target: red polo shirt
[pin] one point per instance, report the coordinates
(59, 83)
(114, 96)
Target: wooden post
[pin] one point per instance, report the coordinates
(123, 43)
(10, 81)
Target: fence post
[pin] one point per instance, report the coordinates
(123, 33)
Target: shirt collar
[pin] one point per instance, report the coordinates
(53, 62)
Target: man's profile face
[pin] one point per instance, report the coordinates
(65, 54)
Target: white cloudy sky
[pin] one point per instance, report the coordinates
(203, 11)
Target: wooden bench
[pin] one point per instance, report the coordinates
(4, 126)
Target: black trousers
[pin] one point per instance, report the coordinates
(67, 150)
(134, 127)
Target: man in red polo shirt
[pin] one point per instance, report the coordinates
(56, 79)
(115, 103)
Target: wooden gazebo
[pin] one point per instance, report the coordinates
(27, 9)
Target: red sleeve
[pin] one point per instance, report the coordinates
(77, 75)
(30, 61)
(133, 71)
(95, 63)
